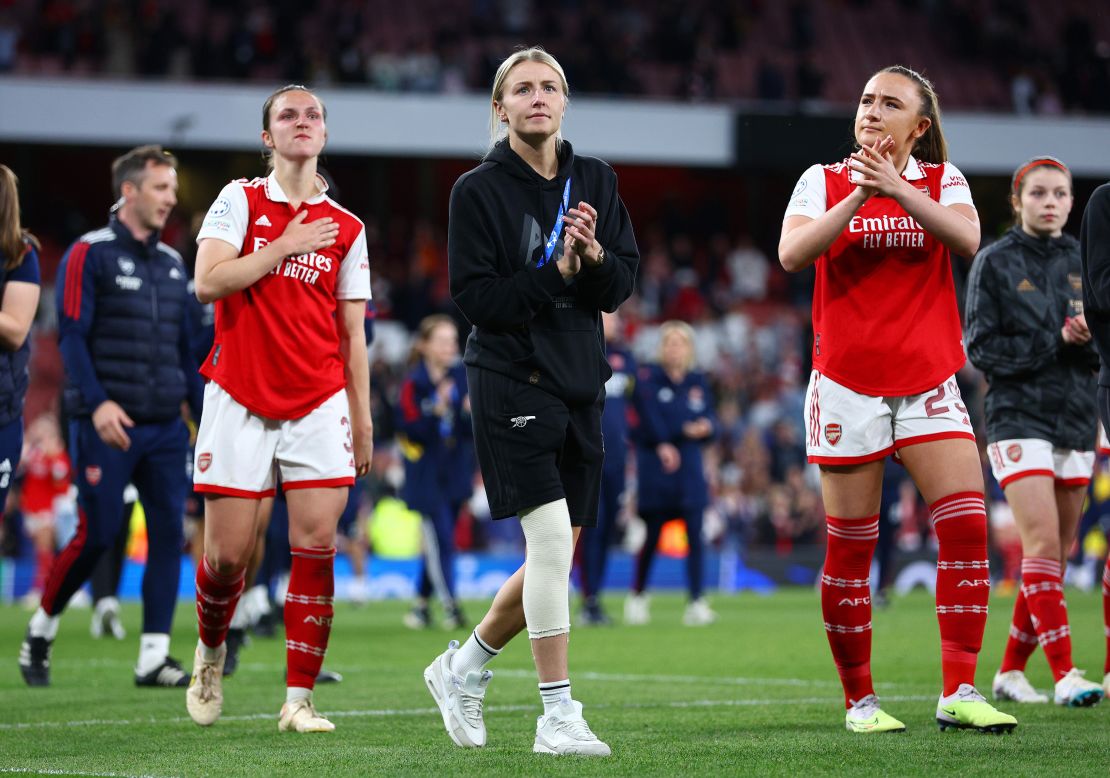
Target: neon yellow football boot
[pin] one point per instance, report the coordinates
(867, 717)
(968, 709)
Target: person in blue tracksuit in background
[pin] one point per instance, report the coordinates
(19, 298)
(674, 419)
(592, 551)
(124, 335)
(431, 406)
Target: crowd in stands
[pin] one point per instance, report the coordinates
(1003, 55)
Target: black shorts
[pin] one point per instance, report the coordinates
(534, 449)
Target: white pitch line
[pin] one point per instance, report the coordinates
(683, 679)
(489, 709)
(45, 771)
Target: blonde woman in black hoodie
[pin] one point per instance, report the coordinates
(539, 244)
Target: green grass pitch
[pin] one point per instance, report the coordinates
(755, 694)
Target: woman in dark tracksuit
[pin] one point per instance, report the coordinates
(539, 243)
(674, 419)
(1094, 251)
(1026, 330)
(431, 413)
(19, 298)
(592, 553)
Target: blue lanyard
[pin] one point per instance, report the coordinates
(564, 206)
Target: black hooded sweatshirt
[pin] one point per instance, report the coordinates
(1020, 291)
(529, 324)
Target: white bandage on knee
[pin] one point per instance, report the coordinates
(547, 569)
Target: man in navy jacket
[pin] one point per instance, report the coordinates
(124, 337)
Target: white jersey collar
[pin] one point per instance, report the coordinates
(913, 171)
(276, 194)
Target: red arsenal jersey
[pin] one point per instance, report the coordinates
(277, 345)
(885, 321)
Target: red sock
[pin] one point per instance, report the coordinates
(44, 560)
(1106, 611)
(963, 584)
(1023, 637)
(846, 601)
(1043, 587)
(308, 614)
(217, 596)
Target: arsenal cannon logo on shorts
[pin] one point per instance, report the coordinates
(204, 461)
(832, 433)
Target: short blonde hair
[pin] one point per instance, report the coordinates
(676, 327)
(532, 54)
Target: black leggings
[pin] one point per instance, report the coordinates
(694, 564)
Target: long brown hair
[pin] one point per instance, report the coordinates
(15, 241)
(930, 147)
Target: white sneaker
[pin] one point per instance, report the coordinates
(1013, 685)
(459, 699)
(1075, 691)
(106, 620)
(564, 731)
(301, 716)
(204, 698)
(699, 614)
(636, 610)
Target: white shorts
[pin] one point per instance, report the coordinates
(1103, 444)
(237, 450)
(1022, 457)
(844, 427)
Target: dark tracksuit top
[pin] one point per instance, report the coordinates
(662, 407)
(1094, 250)
(529, 324)
(614, 419)
(125, 335)
(428, 442)
(14, 376)
(1020, 290)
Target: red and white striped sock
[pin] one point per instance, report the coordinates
(963, 584)
(308, 614)
(1023, 637)
(1043, 587)
(217, 596)
(1106, 611)
(846, 601)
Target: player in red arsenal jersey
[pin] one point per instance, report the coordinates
(288, 394)
(879, 227)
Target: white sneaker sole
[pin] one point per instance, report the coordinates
(583, 749)
(457, 734)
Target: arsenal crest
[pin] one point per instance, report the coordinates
(1014, 452)
(93, 474)
(832, 433)
(204, 461)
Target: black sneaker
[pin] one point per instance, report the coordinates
(328, 676)
(266, 626)
(34, 660)
(593, 616)
(324, 676)
(169, 674)
(236, 639)
(455, 619)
